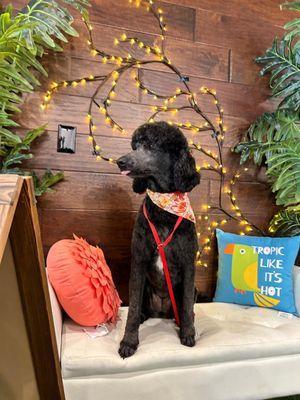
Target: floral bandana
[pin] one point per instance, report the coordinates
(175, 203)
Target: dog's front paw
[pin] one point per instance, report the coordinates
(188, 340)
(187, 335)
(126, 349)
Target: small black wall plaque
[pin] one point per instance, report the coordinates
(66, 139)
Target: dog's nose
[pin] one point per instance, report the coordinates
(122, 162)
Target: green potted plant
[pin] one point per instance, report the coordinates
(24, 38)
(273, 139)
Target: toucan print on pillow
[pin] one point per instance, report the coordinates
(256, 271)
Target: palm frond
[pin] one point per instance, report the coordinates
(284, 171)
(292, 27)
(45, 183)
(282, 159)
(274, 138)
(286, 222)
(23, 38)
(269, 128)
(282, 61)
(52, 22)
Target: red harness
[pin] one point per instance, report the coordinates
(160, 247)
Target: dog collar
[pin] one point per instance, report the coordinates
(175, 203)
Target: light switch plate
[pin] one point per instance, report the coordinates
(66, 139)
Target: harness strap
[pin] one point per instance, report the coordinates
(160, 248)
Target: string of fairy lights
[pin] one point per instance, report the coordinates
(214, 215)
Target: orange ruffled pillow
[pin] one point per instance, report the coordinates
(83, 282)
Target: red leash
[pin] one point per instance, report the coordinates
(160, 248)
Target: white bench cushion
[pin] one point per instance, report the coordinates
(227, 332)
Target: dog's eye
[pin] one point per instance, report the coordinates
(136, 146)
(149, 146)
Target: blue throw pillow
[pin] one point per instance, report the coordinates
(257, 271)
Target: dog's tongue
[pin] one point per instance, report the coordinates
(125, 172)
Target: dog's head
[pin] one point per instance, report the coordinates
(160, 160)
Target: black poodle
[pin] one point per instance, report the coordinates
(161, 162)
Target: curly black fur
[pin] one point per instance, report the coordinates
(160, 161)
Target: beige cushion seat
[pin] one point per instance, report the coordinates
(225, 332)
(241, 353)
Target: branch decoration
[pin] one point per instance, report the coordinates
(155, 54)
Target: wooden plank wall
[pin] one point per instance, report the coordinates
(214, 43)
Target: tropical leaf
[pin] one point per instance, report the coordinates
(44, 184)
(20, 147)
(13, 159)
(286, 222)
(270, 128)
(291, 5)
(33, 134)
(9, 137)
(283, 166)
(52, 22)
(293, 27)
(282, 61)
(14, 171)
(42, 24)
(6, 121)
(284, 171)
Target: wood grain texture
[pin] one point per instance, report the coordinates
(252, 197)
(120, 14)
(191, 58)
(16, 361)
(234, 32)
(256, 10)
(240, 100)
(246, 37)
(266, 10)
(109, 230)
(61, 68)
(181, 20)
(84, 161)
(72, 110)
(213, 43)
(109, 191)
(112, 232)
(10, 187)
(30, 270)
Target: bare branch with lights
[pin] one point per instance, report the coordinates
(217, 129)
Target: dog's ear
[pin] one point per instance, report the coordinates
(139, 185)
(186, 176)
